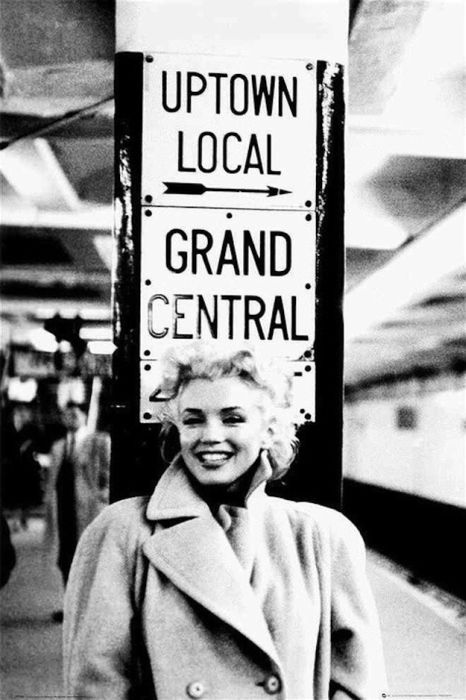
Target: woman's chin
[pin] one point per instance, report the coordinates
(209, 474)
(213, 476)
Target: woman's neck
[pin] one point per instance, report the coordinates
(235, 494)
(238, 492)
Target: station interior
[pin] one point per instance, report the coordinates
(404, 482)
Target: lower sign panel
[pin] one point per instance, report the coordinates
(153, 402)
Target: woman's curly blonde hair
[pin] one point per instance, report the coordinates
(201, 360)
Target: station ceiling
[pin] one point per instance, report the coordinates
(406, 185)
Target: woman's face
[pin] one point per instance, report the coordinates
(222, 428)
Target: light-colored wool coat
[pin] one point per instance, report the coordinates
(158, 605)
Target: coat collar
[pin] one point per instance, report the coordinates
(174, 497)
(193, 552)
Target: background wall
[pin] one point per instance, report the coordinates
(410, 437)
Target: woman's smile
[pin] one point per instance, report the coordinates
(213, 458)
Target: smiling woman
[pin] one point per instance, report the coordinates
(222, 430)
(230, 400)
(210, 588)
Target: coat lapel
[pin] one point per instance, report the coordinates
(191, 549)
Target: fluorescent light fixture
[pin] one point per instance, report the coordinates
(96, 333)
(371, 140)
(101, 347)
(105, 248)
(42, 340)
(95, 217)
(34, 172)
(366, 153)
(367, 226)
(23, 390)
(88, 312)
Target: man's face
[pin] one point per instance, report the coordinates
(73, 418)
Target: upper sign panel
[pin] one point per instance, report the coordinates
(228, 132)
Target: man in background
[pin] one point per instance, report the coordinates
(77, 485)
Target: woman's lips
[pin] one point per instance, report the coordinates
(213, 458)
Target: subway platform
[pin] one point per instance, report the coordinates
(423, 628)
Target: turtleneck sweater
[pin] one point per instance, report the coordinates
(229, 506)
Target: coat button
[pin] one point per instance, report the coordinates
(196, 689)
(272, 684)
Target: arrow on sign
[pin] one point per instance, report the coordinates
(198, 188)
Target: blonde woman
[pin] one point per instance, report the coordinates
(210, 588)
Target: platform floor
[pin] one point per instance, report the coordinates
(423, 629)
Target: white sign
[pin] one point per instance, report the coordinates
(230, 276)
(228, 132)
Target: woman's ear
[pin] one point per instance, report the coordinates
(267, 439)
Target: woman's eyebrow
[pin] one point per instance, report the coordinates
(232, 408)
(192, 410)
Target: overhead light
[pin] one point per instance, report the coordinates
(366, 152)
(366, 226)
(33, 170)
(89, 312)
(96, 332)
(97, 217)
(104, 245)
(101, 347)
(42, 340)
(23, 390)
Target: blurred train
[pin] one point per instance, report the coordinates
(405, 473)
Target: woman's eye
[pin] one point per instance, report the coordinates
(233, 418)
(192, 421)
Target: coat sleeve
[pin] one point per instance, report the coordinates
(103, 467)
(357, 666)
(100, 610)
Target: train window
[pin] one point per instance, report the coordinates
(406, 418)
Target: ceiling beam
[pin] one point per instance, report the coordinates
(408, 276)
(42, 309)
(95, 217)
(44, 276)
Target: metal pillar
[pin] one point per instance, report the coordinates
(136, 461)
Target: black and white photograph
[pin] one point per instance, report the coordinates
(233, 349)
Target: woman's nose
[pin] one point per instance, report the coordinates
(212, 431)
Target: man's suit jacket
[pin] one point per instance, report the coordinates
(90, 460)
